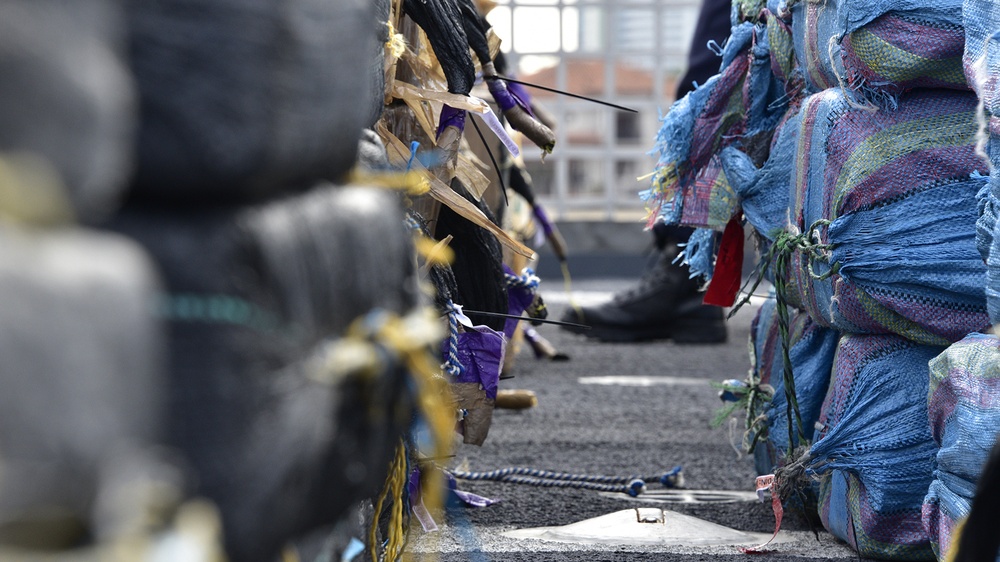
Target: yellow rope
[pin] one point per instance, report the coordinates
(395, 484)
(410, 339)
(31, 191)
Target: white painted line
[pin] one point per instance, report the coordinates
(582, 298)
(612, 380)
(590, 298)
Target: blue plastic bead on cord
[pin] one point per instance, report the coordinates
(674, 478)
(636, 487)
(733, 395)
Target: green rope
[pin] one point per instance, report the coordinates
(752, 396)
(216, 309)
(786, 244)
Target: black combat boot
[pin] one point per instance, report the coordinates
(665, 304)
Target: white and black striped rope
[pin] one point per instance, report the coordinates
(631, 485)
(452, 365)
(528, 280)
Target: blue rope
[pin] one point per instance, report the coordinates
(452, 365)
(528, 280)
(413, 154)
(412, 224)
(631, 485)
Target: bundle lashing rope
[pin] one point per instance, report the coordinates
(527, 280)
(631, 485)
(452, 365)
(785, 244)
(393, 492)
(750, 395)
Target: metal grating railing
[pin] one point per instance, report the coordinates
(628, 52)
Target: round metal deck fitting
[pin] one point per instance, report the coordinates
(644, 526)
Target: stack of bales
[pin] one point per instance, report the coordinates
(865, 209)
(964, 394)
(811, 349)
(184, 267)
(82, 348)
(250, 114)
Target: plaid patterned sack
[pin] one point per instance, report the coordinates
(811, 350)
(873, 449)
(764, 193)
(900, 51)
(964, 411)
(885, 215)
(816, 38)
(981, 57)
(880, 49)
(695, 128)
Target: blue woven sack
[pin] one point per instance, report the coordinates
(873, 450)
(696, 127)
(993, 269)
(981, 57)
(988, 204)
(879, 49)
(764, 193)
(816, 37)
(884, 213)
(742, 106)
(981, 62)
(964, 412)
(986, 240)
(811, 351)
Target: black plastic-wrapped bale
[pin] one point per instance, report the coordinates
(478, 266)
(82, 378)
(66, 96)
(254, 295)
(376, 70)
(243, 99)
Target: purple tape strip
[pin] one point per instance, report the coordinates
(468, 498)
(417, 503)
(543, 219)
(503, 97)
(451, 117)
(481, 350)
(518, 300)
(522, 96)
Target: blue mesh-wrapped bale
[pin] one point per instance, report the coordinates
(811, 351)
(964, 411)
(887, 211)
(872, 450)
